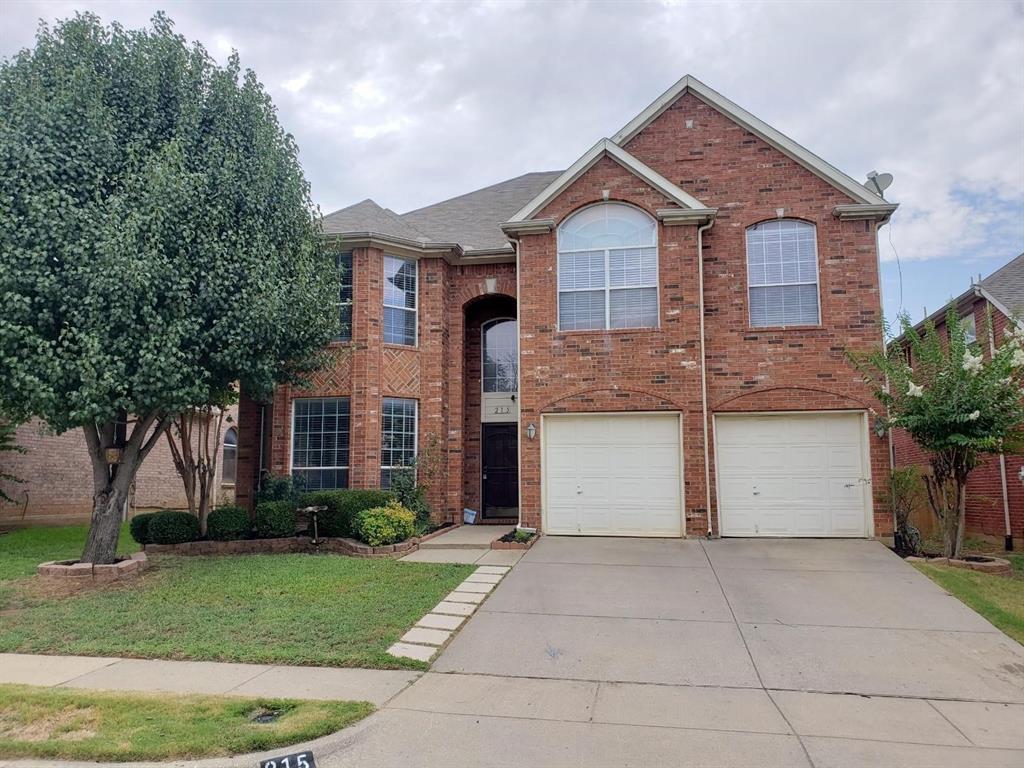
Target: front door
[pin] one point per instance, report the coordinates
(500, 470)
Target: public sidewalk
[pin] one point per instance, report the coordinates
(376, 686)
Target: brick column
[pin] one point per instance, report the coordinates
(367, 333)
(434, 361)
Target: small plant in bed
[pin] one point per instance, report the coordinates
(385, 525)
(518, 535)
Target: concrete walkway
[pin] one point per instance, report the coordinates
(148, 675)
(469, 544)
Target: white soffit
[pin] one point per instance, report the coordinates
(758, 127)
(608, 148)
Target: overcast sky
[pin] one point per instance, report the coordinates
(412, 103)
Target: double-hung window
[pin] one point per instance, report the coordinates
(399, 301)
(345, 296)
(398, 437)
(608, 269)
(782, 273)
(320, 441)
(970, 328)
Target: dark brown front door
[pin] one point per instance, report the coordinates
(500, 471)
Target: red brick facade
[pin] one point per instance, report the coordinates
(726, 167)
(986, 514)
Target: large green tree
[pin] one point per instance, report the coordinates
(157, 243)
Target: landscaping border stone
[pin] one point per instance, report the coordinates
(288, 545)
(996, 566)
(68, 570)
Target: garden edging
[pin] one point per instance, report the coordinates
(996, 566)
(288, 545)
(72, 570)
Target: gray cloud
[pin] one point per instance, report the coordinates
(411, 103)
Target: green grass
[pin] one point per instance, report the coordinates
(999, 599)
(23, 549)
(324, 610)
(88, 725)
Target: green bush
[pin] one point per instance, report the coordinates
(280, 488)
(385, 525)
(410, 494)
(138, 526)
(227, 524)
(342, 507)
(274, 520)
(170, 526)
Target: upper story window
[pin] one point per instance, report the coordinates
(970, 328)
(399, 301)
(229, 460)
(608, 269)
(500, 356)
(345, 296)
(782, 273)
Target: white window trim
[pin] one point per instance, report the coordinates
(607, 275)
(415, 432)
(415, 310)
(351, 302)
(964, 319)
(817, 277)
(291, 440)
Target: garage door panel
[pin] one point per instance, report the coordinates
(626, 469)
(791, 474)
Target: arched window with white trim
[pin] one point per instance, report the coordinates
(782, 273)
(608, 269)
(229, 458)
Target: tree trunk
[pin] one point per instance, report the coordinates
(112, 481)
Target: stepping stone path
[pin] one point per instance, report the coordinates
(436, 628)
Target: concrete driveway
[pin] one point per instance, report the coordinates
(615, 652)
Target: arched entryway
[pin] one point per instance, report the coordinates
(491, 455)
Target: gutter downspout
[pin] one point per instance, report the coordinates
(1008, 535)
(704, 371)
(519, 390)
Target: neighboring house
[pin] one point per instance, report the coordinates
(995, 490)
(649, 343)
(57, 477)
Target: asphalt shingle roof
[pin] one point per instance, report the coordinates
(471, 220)
(1006, 284)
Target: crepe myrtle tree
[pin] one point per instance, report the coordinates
(157, 243)
(958, 401)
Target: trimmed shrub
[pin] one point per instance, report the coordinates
(170, 526)
(274, 520)
(280, 488)
(385, 525)
(342, 507)
(227, 524)
(138, 527)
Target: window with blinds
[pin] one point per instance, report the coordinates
(320, 441)
(608, 269)
(782, 273)
(399, 301)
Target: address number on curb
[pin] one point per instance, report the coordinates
(298, 760)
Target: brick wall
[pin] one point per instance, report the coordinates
(58, 478)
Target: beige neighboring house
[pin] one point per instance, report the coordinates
(57, 475)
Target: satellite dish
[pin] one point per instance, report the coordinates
(878, 182)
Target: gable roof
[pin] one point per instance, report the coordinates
(472, 220)
(759, 128)
(369, 217)
(607, 148)
(1005, 287)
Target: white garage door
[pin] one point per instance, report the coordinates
(792, 475)
(612, 475)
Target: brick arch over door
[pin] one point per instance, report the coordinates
(611, 400)
(789, 399)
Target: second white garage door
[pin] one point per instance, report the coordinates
(792, 474)
(612, 474)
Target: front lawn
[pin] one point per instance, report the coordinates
(321, 610)
(23, 549)
(999, 599)
(64, 723)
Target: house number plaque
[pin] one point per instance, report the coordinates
(297, 760)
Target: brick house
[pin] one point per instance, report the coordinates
(648, 343)
(995, 490)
